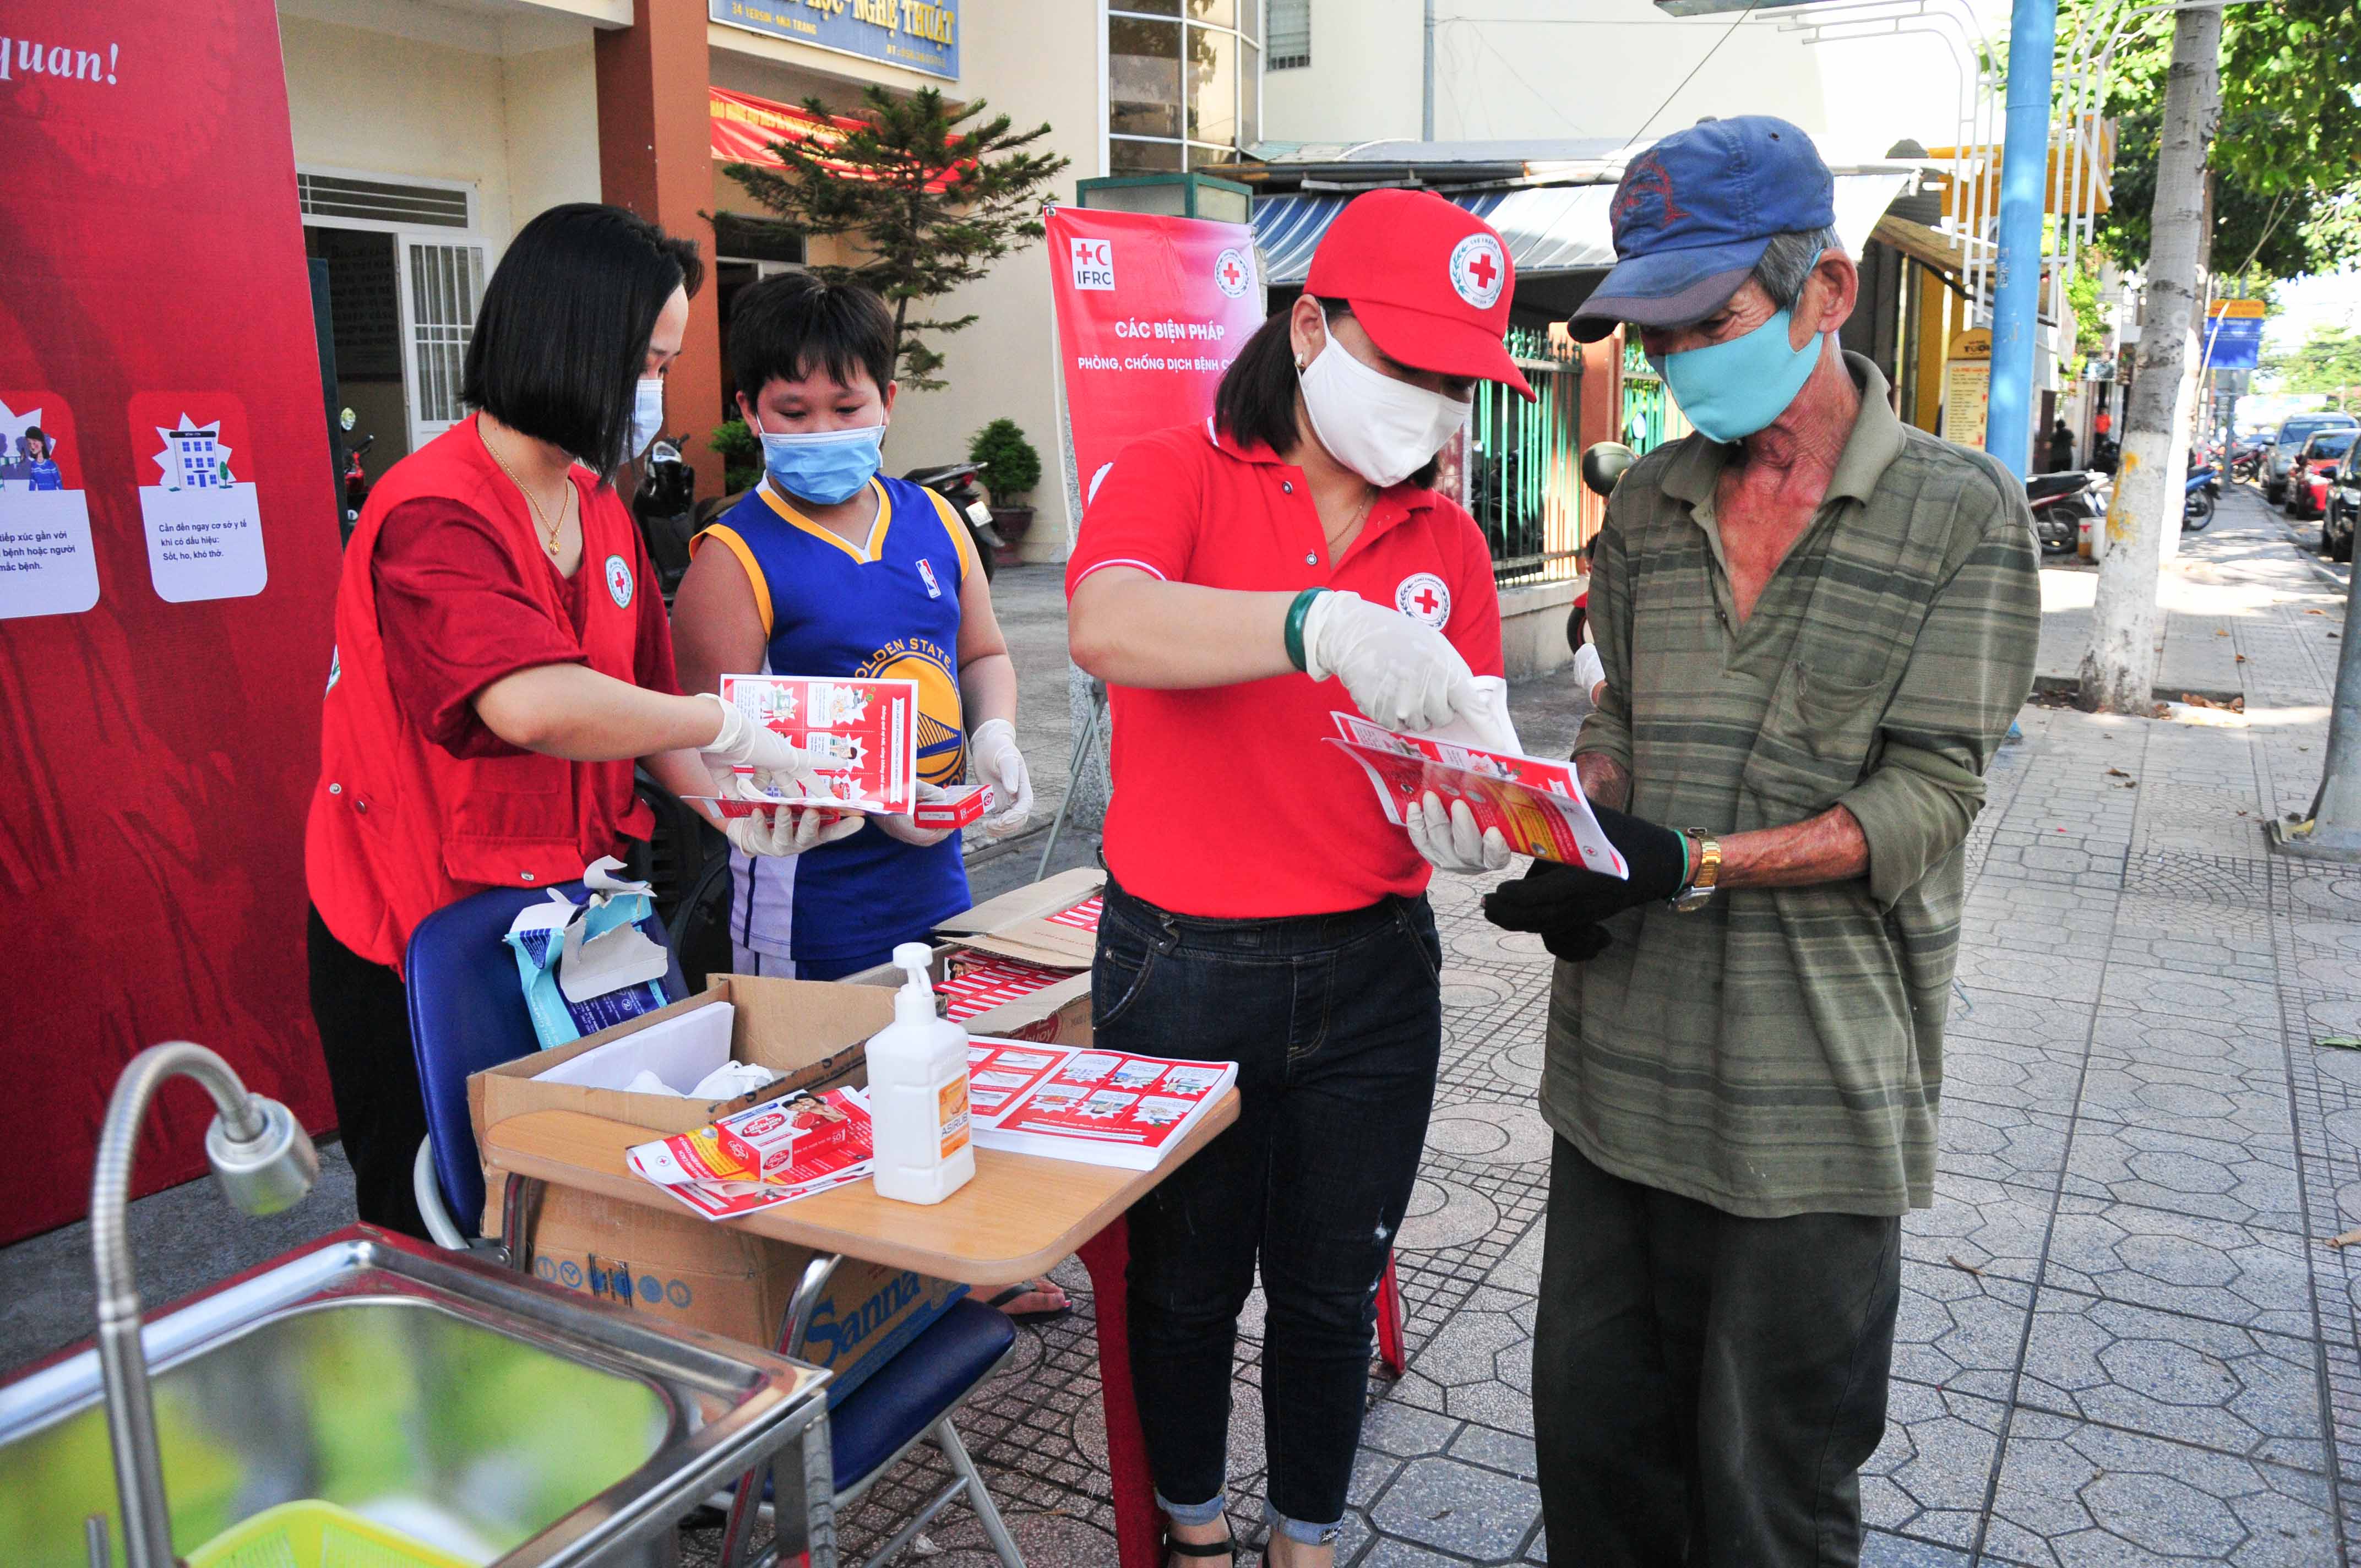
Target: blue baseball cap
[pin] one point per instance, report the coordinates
(1694, 213)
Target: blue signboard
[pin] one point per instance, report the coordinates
(2238, 342)
(917, 35)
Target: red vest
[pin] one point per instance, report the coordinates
(399, 826)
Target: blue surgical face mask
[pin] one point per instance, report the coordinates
(823, 465)
(1731, 389)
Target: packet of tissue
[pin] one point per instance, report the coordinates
(586, 967)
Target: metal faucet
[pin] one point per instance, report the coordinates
(265, 1162)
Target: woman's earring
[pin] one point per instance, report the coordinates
(1299, 362)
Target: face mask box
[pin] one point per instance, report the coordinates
(673, 1264)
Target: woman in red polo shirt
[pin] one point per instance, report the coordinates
(503, 659)
(1261, 908)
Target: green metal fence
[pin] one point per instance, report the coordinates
(1523, 477)
(1650, 416)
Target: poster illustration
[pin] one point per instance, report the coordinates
(197, 498)
(47, 567)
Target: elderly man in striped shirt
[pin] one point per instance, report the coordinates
(1817, 625)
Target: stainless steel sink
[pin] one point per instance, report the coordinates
(483, 1412)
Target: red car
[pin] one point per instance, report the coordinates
(2313, 470)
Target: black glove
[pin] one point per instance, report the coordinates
(1561, 902)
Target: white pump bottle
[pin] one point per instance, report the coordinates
(918, 1093)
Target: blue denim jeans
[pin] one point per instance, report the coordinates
(1335, 1021)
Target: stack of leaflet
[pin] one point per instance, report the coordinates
(1098, 1107)
(978, 984)
(764, 1155)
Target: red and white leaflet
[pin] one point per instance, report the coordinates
(1536, 803)
(864, 734)
(978, 986)
(1082, 916)
(999, 1072)
(1110, 1108)
(822, 1141)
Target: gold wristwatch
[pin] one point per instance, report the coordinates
(1699, 892)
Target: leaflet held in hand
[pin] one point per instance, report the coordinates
(863, 734)
(1536, 803)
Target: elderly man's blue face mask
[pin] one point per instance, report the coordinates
(1730, 390)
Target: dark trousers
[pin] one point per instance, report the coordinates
(1706, 1388)
(1335, 1023)
(362, 1015)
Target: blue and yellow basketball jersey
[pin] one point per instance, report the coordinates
(888, 610)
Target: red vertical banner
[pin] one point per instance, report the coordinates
(168, 558)
(1150, 311)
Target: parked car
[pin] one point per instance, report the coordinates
(2344, 509)
(2308, 473)
(2289, 442)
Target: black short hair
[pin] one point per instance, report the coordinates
(1254, 404)
(562, 336)
(788, 326)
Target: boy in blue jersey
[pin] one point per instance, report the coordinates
(830, 569)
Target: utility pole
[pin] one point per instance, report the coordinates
(2119, 668)
(2023, 182)
(1426, 98)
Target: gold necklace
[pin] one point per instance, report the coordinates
(1359, 513)
(549, 530)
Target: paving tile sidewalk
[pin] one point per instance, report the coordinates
(2121, 1341)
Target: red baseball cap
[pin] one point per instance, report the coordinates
(1429, 281)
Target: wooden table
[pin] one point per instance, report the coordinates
(1018, 1219)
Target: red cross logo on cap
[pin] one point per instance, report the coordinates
(1478, 270)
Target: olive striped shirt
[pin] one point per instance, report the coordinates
(1780, 1051)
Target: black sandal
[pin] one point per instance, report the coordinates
(1225, 1547)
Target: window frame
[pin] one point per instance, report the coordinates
(1247, 32)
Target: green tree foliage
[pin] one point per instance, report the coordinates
(930, 193)
(1011, 466)
(2286, 155)
(2327, 360)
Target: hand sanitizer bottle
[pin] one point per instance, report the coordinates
(918, 1093)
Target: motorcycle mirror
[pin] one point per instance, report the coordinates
(347, 419)
(1603, 464)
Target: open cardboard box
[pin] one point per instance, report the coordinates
(672, 1263)
(1058, 1015)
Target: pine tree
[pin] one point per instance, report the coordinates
(933, 193)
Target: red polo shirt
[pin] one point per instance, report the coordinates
(1228, 801)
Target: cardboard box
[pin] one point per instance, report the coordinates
(683, 1269)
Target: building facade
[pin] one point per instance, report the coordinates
(427, 133)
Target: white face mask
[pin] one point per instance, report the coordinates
(1382, 428)
(647, 414)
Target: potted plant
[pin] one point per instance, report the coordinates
(1011, 469)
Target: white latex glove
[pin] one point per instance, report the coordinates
(1588, 671)
(1400, 673)
(991, 750)
(908, 831)
(789, 829)
(743, 743)
(1449, 839)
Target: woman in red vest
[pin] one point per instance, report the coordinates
(502, 658)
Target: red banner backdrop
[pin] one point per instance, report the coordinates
(167, 555)
(1150, 311)
(745, 129)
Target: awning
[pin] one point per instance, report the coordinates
(1550, 230)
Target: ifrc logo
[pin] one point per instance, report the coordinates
(927, 571)
(1425, 598)
(1478, 270)
(618, 581)
(1234, 273)
(1093, 262)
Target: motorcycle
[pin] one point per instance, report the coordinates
(663, 505)
(2197, 506)
(2062, 504)
(357, 485)
(957, 483)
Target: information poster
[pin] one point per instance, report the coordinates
(1150, 311)
(167, 559)
(1967, 386)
